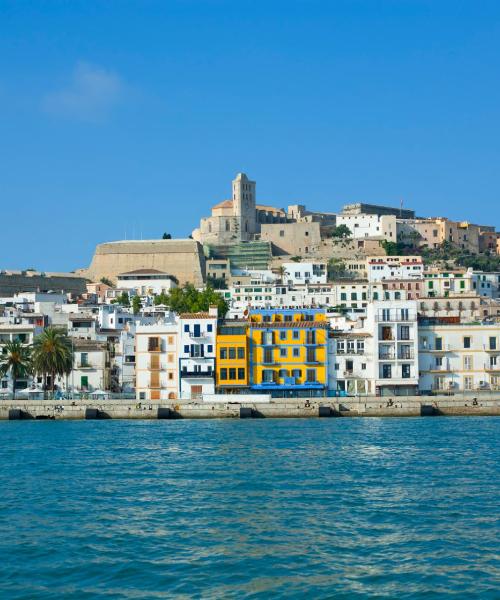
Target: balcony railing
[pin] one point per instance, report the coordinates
(85, 365)
(396, 318)
(197, 374)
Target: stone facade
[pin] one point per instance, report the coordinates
(181, 258)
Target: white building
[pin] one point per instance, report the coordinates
(394, 267)
(350, 363)
(156, 360)
(444, 283)
(146, 282)
(486, 284)
(395, 338)
(296, 273)
(91, 367)
(197, 351)
(370, 225)
(459, 357)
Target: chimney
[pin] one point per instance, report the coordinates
(213, 311)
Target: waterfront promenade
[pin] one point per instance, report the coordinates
(241, 407)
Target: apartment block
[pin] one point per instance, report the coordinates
(232, 356)
(288, 351)
(459, 357)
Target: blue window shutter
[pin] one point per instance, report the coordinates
(186, 349)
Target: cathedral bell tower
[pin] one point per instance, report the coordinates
(244, 209)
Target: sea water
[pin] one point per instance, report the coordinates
(324, 508)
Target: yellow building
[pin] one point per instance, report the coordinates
(288, 351)
(232, 356)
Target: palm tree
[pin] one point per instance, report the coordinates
(52, 354)
(16, 360)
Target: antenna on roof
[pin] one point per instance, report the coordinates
(401, 209)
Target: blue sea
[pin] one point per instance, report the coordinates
(326, 508)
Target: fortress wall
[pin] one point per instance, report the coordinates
(182, 258)
(13, 283)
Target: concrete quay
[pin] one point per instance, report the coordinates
(413, 406)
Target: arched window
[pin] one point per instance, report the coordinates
(171, 396)
(228, 226)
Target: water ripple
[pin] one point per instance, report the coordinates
(334, 508)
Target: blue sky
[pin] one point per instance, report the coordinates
(132, 117)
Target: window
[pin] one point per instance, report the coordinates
(288, 318)
(170, 358)
(468, 383)
(153, 344)
(311, 375)
(186, 349)
(223, 353)
(241, 353)
(209, 327)
(468, 362)
(493, 343)
(283, 373)
(170, 376)
(283, 352)
(241, 374)
(467, 342)
(296, 352)
(386, 372)
(282, 233)
(268, 376)
(405, 332)
(363, 366)
(439, 343)
(296, 373)
(337, 366)
(296, 335)
(223, 374)
(268, 355)
(375, 295)
(210, 348)
(405, 371)
(186, 328)
(232, 373)
(282, 335)
(170, 340)
(232, 353)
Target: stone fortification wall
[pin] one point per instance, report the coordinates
(182, 258)
(12, 282)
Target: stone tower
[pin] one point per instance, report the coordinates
(244, 207)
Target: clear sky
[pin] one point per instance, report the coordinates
(128, 118)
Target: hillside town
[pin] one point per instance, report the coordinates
(288, 302)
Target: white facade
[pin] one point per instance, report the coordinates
(486, 284)
(146, 282)
(369, 226)
(395, 336)
(394, 267)
(304, 273)
(459, 357)
(351, 366)
(197, 351)
(156, 360)
(91, 367)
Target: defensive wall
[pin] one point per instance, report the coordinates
(182, 258)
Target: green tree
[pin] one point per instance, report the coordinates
(341, 231)
(52, 354)
(107, 281)
(122, 299)
(16, 360)
(166, 236)
(336, 268)
(188, 299)
(136, 304)
(217, 283)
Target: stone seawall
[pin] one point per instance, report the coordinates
(131, 409)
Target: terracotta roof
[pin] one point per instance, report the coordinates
(200, 315)
(267, 207)
(224, 204)
(142, 272)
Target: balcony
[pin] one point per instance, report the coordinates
(407, 355)
(84, 365)
(197, 374)
(198, 336)
(386, 356)
(396, 318)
